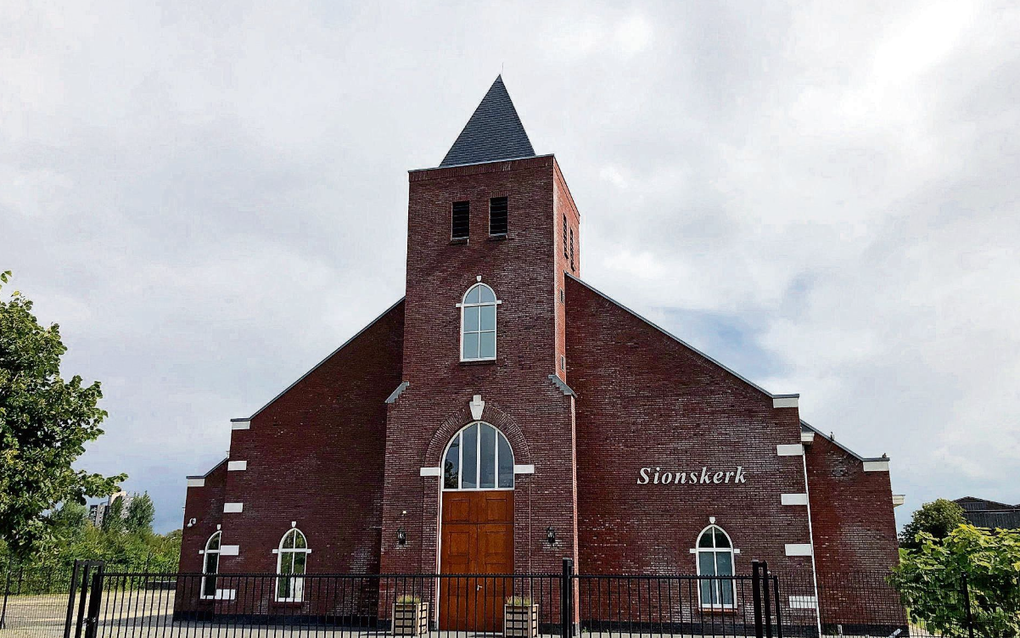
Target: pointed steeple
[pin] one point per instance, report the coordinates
(493, 133)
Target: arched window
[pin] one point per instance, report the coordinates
(478, 458)
(211, 565)
(478, 324)
(291, 560)
(715, 558)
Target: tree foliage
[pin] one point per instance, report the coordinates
(45, 423)
(140, 515)
(937, 519)
(74, 537)
(985, 564)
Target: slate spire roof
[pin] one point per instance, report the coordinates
(493, 133)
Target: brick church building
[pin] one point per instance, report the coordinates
(506, 413)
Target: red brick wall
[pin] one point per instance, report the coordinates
(520, 398)
(646, 400)
(855, 537)
(315, 457)
(205, 505)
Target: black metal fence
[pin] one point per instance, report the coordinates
(96, 601)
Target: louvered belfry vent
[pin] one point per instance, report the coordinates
(461, 225)
(498, 216)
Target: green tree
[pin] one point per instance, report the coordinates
(932, 581)
(113, 519)
(45, 423)
(140, 515)
(938, 519)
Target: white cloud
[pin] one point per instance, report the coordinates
(211, 200)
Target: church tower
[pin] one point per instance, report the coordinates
(492, 233)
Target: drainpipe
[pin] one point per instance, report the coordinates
(811, 536)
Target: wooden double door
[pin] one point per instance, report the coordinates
(477, 538)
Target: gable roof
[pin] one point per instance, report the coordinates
(327, 358)
(493, 133)
(805, 426)
(677, 339)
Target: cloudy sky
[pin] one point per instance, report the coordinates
(209, 197)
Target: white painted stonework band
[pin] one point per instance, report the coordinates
(237, 466)
(196, 482)
(240, 425)
(794, 499)
(795, 449)
(233, 508)
(798, 549)
(230, 550)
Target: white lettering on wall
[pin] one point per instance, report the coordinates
(656, 476)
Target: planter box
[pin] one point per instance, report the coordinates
(410, 619)
(520, 621)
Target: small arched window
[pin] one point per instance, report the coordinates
(478, 324)
(715, 559)
(211, 565)
(478, 458)
(291, 561)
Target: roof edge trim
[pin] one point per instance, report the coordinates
(499, 161)
(805, 424)
(679, 340)
(213, 469)
(324, 360)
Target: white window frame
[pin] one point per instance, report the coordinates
(478, 465)
(205, 564)
(495, 323)
(297, 587)
(715, 551)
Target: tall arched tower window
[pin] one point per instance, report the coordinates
(478, 458)
(478, 324)
(715, 558)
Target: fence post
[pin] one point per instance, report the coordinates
(756, 596)
(567, 598)
(70, 599)
(966, 602)
(766, 603)
(95, 598)
(7, 589)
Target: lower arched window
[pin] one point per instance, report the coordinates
(715, 561)
(211, 565)
(478, 458)
(291, 561)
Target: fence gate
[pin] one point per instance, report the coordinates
(83, 600)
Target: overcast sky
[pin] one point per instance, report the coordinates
(209, 197)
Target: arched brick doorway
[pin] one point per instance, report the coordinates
(477, 530)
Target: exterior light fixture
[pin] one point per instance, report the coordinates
(550, 535)
(401, 536)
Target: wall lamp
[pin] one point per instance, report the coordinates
(401, 536)
(550, 535)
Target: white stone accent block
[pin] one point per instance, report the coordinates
(898, 499)
(876, 466)
(196, 482)
(798, 549)
(237, 466)
(230, 550)
(794, 499)
(233, 508)
(240, 425)
(795, 449)
(802, 602)
(430, 471)
(785, 402)
(807, 437)
(524, 469)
